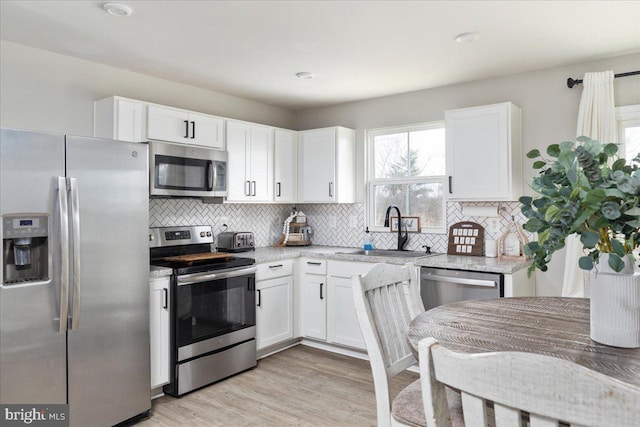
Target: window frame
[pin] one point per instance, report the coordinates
(371, 181)
(626, 116)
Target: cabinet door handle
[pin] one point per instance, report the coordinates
(165, 294)
(450, 184)
(253, 185)
(276, 266)
(314, 263)
(321, 296)
(247, 188)
(330, 189)
(193, 130)
(259, 298)
(278, 186)
(186, 128)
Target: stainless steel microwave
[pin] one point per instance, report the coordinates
(186, 171)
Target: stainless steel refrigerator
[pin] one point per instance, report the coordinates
(74, 294)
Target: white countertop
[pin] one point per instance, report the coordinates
(457, 262)
(156, 271)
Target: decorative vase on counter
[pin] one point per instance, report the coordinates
(615, 304)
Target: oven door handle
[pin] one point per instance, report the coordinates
(189, 279)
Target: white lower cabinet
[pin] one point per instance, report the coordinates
(313, 303)
(327, 308)
(342, 323)
(159, 323)
(274, 303)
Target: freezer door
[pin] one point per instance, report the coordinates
(32, 350)
(108, 338)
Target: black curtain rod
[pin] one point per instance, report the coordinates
(571, 82)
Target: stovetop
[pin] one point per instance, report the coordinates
(199, 266)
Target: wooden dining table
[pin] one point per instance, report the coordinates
(557, 327)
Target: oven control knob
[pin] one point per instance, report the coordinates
(202, 234)
(208, 234)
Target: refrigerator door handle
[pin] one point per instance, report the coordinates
(64, 256)
(75, 230)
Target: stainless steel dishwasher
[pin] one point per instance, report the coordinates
(439, 286)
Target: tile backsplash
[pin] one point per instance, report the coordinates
(333, 224)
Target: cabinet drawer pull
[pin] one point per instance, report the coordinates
(186, 128)
(276, 266)
(314, 263)
(165, 294)
(321, 285)
(259, 298)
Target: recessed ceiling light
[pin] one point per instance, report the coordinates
(467, 37)
(305, 75)
(117, 9)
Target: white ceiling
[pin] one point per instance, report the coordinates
(357, 49)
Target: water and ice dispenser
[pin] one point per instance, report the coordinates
(25, 248)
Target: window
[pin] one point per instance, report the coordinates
(628, 118)
(406, 167)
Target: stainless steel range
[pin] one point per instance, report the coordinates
(212, 307)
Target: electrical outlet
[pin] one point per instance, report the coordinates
(493, 226)
(332, 221)
(222, 222)
(353, 221)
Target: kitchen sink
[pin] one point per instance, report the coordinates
(388, 253)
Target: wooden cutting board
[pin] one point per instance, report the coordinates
(199, 257)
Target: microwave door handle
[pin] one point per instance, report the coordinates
(64, 255)
(210, 173)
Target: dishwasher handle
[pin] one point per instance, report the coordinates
(461, 280)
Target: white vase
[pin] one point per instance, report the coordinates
(615, 306)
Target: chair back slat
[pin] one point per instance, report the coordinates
(506, 416)
(474, 410)
(540, 421)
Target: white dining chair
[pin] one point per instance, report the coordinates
(386, 299)
(549, 390)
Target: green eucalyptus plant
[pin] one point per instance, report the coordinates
(585, 189)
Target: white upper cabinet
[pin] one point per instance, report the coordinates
(484, 153)
(186, 127)
(137, 121)
(326, 165)
(285, 166)
(119, 118)
(250, 168)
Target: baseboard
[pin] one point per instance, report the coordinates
(359, 354)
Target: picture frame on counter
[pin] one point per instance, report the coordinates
(412, 223)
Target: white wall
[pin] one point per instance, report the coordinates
(46, 91)
(549, 115)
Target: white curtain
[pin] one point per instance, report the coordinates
(597, 120)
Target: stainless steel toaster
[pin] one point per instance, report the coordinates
(235, 241)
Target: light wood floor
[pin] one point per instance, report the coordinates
(301, 386)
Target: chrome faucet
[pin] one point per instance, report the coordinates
(402, 240)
